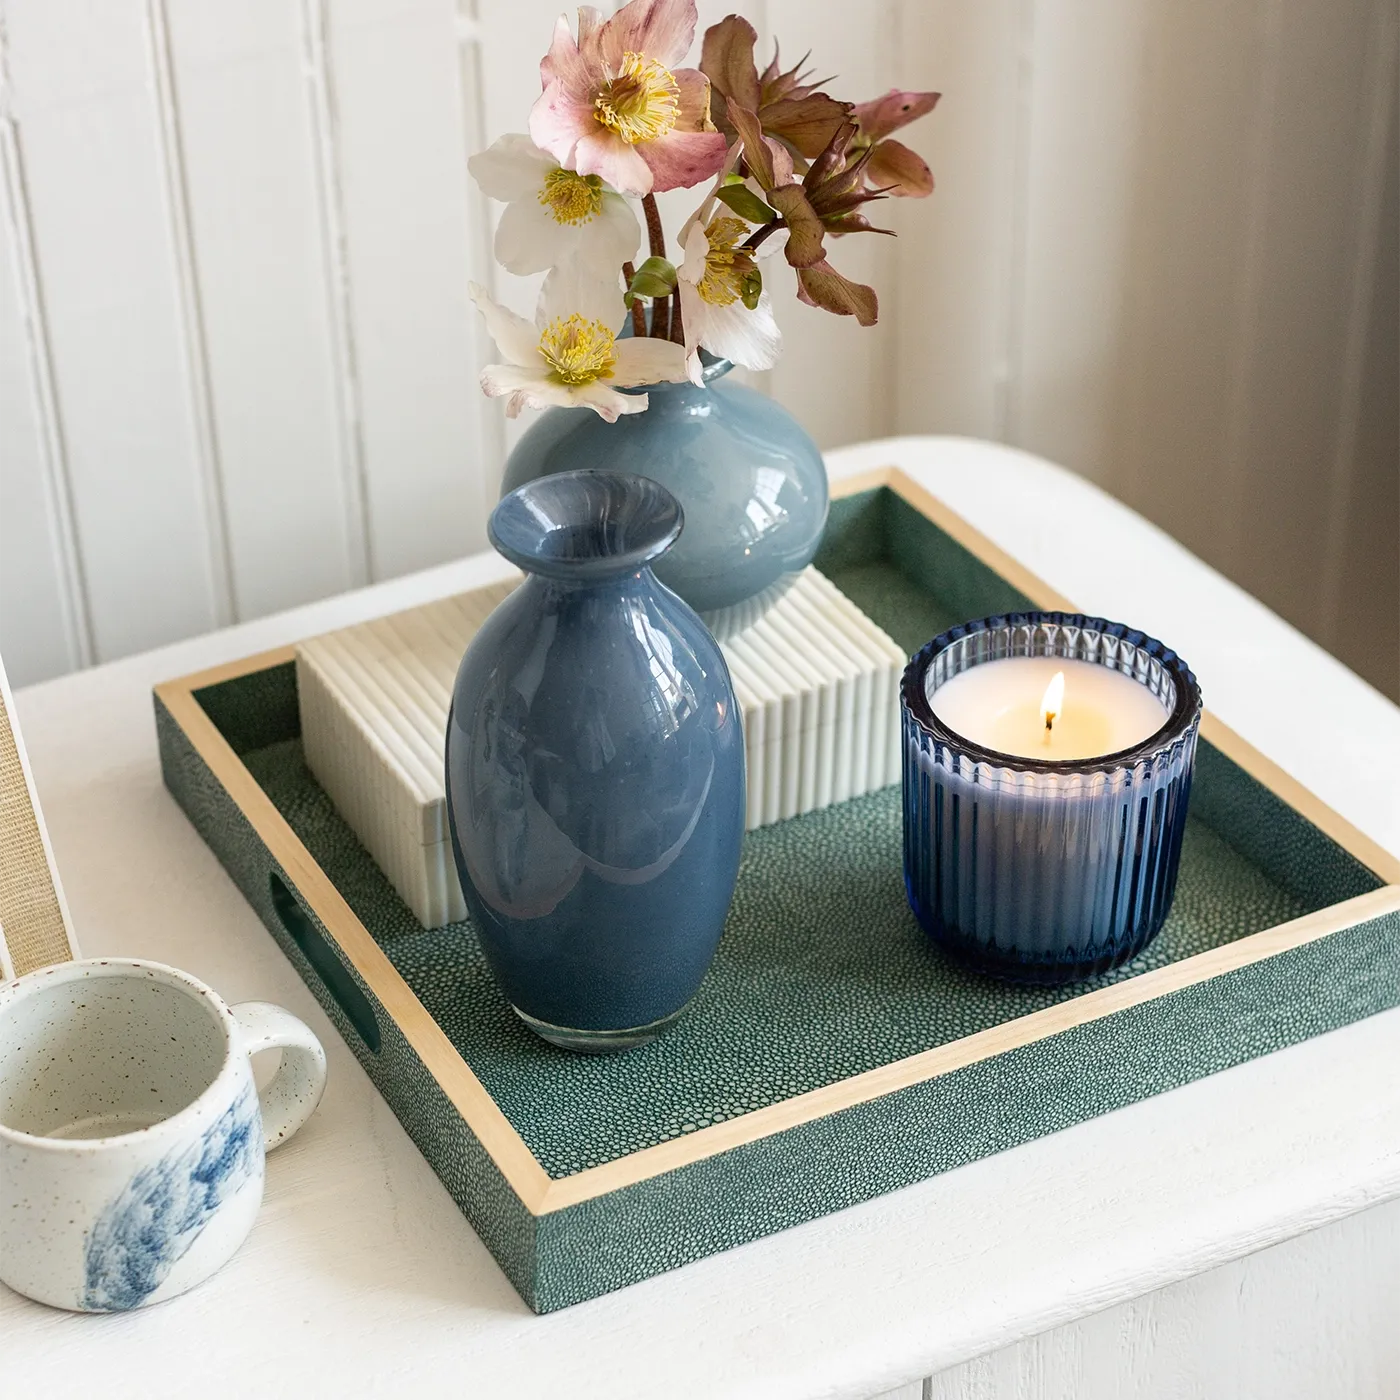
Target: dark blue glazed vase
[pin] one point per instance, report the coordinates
(595, 769)
(751, 482)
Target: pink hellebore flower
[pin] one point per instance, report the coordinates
(615, 105)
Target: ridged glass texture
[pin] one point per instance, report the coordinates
(1044, 872)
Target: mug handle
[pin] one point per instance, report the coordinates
(291, 1098)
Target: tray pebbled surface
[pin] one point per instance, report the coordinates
(822, 973)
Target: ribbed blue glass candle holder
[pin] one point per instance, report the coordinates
(1035, 870)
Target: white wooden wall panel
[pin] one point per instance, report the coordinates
(1369, 563)
(1155, 256)
(953, 303)
(511, 49)
(1196, 117)
(1078, 144)
(44, 635)
(1294, 335)
(83, 100)
(30, 560)
(502, 51)
(404, 121)
(247, 138)
(836, 374)
(237, 238)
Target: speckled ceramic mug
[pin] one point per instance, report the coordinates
(131, 1131)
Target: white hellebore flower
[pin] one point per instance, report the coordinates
(571, 355)
(552, 215)
(713, 278)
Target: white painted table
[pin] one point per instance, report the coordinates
(361, 1278)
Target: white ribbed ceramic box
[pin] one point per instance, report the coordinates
(816, 679)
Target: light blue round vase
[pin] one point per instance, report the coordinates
(595, 769)
(751, 482)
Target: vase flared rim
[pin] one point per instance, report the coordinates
(586, 525)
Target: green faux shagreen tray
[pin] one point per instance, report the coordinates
(831, 1054)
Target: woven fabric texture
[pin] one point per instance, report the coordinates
(31, 915)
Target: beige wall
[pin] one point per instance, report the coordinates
(1164, 254)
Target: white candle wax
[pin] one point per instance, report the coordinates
(999, 706)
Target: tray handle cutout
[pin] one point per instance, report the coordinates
(324, 960)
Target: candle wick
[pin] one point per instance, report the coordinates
(1050, 703)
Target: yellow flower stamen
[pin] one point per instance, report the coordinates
(640, 102)
(578, 350)
(726, 265)
(570, 197)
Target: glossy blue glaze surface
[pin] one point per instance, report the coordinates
(151, 1225)
(751, 482)
(595, 770)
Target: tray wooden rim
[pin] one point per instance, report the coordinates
(541, 1194)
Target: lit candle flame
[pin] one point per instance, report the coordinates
(1053, 701)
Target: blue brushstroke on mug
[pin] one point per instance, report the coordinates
(147, 1229)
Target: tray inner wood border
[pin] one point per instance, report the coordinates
(541, 1194)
